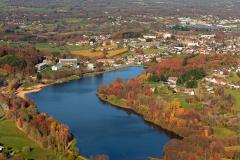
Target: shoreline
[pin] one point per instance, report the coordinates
(21, 92)
(172, 134)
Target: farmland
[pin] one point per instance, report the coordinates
(98, 53)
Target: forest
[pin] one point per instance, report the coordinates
(202, 130)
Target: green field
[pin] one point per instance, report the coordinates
(77, 48)
(236, 95)
(50, 48)
(29, 84)
(118, 102)
(220, 132)
(168, 95)
(48, 71)
(11, 137)
(61, 49)
(46, 47)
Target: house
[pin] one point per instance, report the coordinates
(167, 35)
(179, 48)
(173, 80)
(1, 148)
(149, 37)
(90, 66)
(208, 36)
(115, 65)
(190, 43)
(158, 59)
(189, 91)
(68, 62)
(41, 66)
(57, 67)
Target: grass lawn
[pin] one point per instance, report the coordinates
(220, 132)
(169, 96)
(61, 49)
(29, 84)
(118, 102)
(48, 71)
(10, 136)
(77, 48)
(236, 95)
(50, 48)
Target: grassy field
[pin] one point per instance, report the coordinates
(29, 84)
(220, 132)
(117, 52)
(118, 102)
(50, 48)
(10, 136)
(236, 95)
(61, 49)
(91, 54)
(87, 53)
(169, 96)
(110, 46)
(48, 71)
(74, 49)
(77, 48)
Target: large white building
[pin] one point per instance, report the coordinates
(68, 62)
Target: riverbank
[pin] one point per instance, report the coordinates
(172, 133)
(22, 92)
(193, 124)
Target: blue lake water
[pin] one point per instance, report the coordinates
(99, 127)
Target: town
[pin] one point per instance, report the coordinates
(176, 65)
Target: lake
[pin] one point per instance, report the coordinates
(99, 127)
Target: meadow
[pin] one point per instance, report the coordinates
(13, 138)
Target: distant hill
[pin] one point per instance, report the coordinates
(223, 8)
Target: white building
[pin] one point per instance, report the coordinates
(1, 148)
(90, 66)
(167, 35)
(57, 67)
(208, 36)
(68, 62)
(149, 37)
